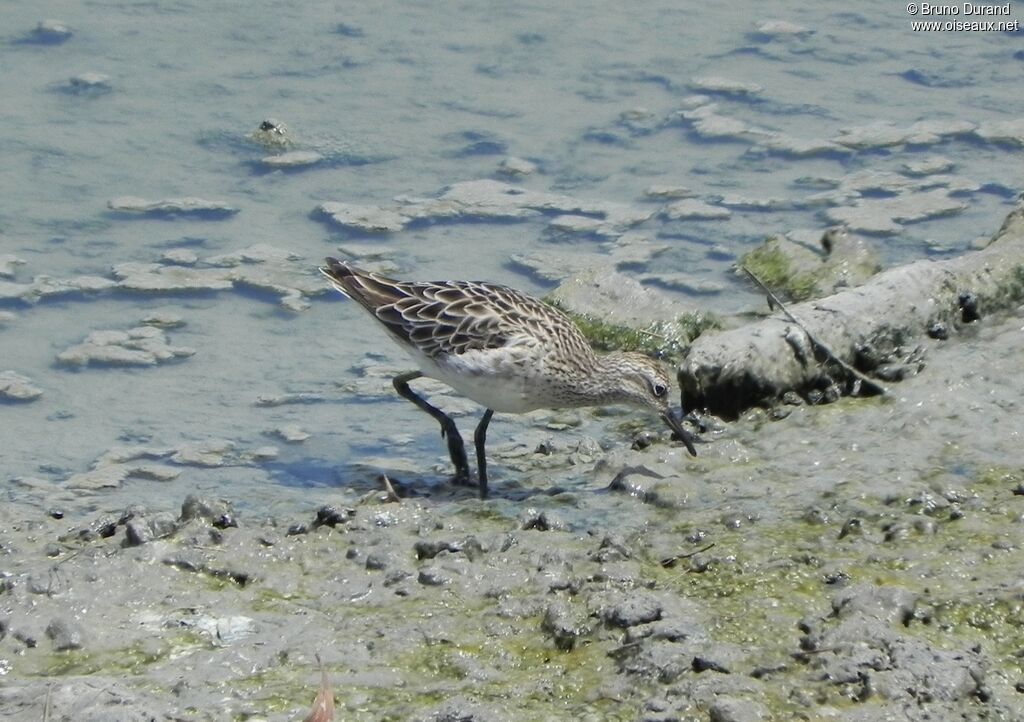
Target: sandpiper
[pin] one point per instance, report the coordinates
(502, 348)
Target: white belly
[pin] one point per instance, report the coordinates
(498, 380)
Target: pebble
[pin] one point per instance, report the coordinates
(512, 166)
(93, 83)
(725, 86)
(292, 159)
(65, 634)
(781, 28)
(189, 205)
(292, 433)
(8, 263)
(51, 32)
(140, 346)
(16, 387)
(693, 209)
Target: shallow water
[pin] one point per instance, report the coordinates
(404, 100)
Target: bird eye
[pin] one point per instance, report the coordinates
(659, 390)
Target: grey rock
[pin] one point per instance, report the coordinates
(171, 206)
(142, 530)
(889, 603)
(433, 576)
(65, 634)
(730, 709)
(196, 507)
(633, 608)
(564, 625)
(15, 387)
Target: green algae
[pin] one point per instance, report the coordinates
(776, 270)
(667, 340)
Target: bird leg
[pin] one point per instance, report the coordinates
(456, 449)
(479, 439)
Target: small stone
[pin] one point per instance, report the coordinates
(636, 608)
(15, 387)
(693, 209)
(292, 433)
(433, 577)
(938, 330)
(172, 206)
(332, 516)
(181, 257)
(563, 625)
(726, 86)
(292, 159)
(142, 530)
(8, 263)
(781, 28)
(89, 83)
(65, 634)
(513, 166)
(667, 192)
(729, 709)
(196, 507)
(51, 31)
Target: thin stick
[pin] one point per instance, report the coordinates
(392, 494)
(869, 382)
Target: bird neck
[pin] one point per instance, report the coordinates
(604, 385)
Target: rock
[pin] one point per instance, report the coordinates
(540, 521)
(667, 192)
(889, 604)
(882, 134)
(433, 576)
(292, 159)
(731, 709)
(1002, 131)
(51, 32)
(292, 433)
(65, 634)
(153, 472)
(210, 453)
(144, 529)
(172, 206)
(180, 256)
(693, 209)
(164, 320)
(206, 509)
(89, 83)
(140, 346)
(725, 86)
(886, 215)
(271, 134)
(372, 219)
(489, 199)
(8, 263)
(929, 165)
(564, 625)
(15, 387)
(632, 609)
(512, 166)
(108, 476)
(781, 28)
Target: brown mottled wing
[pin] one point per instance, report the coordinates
(449, 317)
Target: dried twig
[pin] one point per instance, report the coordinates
(390, 489)
(868, 382)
